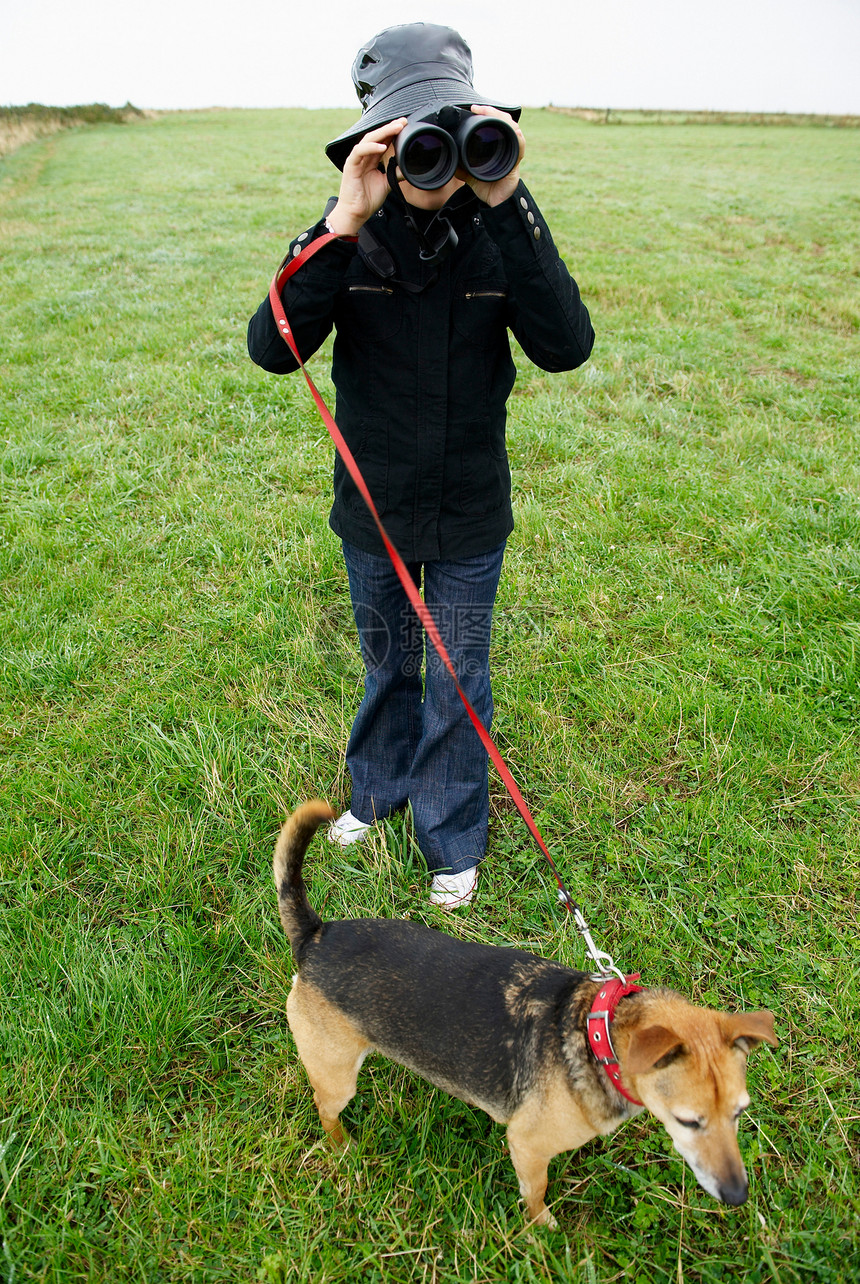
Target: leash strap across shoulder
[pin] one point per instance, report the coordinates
(288, 267)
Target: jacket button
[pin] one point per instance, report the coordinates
(297, 249)
(530, 216)
(524, 203)
(537, 233)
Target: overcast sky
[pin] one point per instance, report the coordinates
(731, 55)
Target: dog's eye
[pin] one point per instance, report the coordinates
(688, 1123)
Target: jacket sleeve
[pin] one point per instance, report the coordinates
(308, 298)
(547, 316)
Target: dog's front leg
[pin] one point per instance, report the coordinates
(531, 1165)
(542, 1128)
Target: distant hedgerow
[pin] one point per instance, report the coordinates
(85, 114)
(20, 125)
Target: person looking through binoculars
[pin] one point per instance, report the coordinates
(452, 252)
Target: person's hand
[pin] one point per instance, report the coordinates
(364, 185)
(495, 193)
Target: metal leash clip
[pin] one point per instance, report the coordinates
(605, 962)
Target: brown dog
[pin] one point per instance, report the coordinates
(506, 1030)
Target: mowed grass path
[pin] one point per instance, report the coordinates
(676, 691)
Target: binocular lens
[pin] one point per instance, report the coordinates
(490, 152)
(428, 159)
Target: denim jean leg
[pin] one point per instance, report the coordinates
(448, 785)
(387, 727)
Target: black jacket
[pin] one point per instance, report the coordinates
(422, 378)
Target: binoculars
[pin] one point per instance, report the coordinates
(435, 143)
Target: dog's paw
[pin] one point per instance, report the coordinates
(336, 1135)
(544, 1218)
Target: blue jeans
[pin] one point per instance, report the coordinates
(414, 744)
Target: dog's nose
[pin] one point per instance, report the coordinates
(735, 1191)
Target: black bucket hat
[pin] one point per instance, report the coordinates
(405, 68)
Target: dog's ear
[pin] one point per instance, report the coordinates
(648, 1045)
(747, 1029)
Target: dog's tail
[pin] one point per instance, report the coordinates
(299, 920)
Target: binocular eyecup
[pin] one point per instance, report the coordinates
(435, 143)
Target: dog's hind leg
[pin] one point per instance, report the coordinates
(331, 1049)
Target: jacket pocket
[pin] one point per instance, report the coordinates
(369, 444)
(480, 313)
(374, 312)
(484, 473)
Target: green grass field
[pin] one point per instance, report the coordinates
(676, 692)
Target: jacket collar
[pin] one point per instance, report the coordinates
(457, 219)
(459, 209)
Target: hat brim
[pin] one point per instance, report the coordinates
(403, 102)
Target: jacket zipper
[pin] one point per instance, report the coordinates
(486, 294)
(370, 289)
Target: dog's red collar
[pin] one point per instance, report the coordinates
(600, 1019)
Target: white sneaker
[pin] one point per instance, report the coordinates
(453, 890)
(347, 829)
